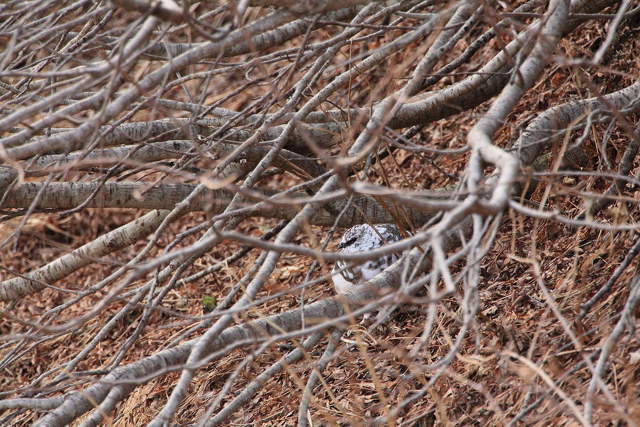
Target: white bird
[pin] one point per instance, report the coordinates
(362, 238)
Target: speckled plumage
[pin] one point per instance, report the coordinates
(362, 238)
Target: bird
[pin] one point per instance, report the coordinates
(362, 238)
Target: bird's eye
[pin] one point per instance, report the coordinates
(349, 242)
